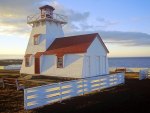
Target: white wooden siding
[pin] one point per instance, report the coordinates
(96, 49)
(98, 66)
(49, 31)
(30, 69)
(87, 66)
(73, 64)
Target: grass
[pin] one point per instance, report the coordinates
(134, 75)
(131, 75)
(128, 98)
(1, 67)
(9, 73)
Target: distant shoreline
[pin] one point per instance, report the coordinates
(20, 57)
(128, 62)
(130, 57)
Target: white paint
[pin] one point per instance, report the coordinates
(78, 65)
(95, 50)
(30, 69)
(87, 66)
(49, 32)
(47, 94)
(143, 74)
(73, 64)
(98, 65)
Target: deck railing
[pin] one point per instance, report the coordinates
(55, 17)
(57, 92)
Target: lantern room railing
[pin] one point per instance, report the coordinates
(52, 17)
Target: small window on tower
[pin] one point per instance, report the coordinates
(59, 62)
(36, 39)
(27, 60)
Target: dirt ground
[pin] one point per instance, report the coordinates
(131, 97)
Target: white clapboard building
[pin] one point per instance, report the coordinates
(50, 53)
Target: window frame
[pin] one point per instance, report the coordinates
(36, 40)
(28, 61)
(60, 62)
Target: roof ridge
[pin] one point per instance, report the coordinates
(77, 35)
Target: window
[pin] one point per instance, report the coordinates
(43, 12)
(27, 60)
(59, 62)
(36, 39)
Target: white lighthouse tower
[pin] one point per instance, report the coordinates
(46, 27)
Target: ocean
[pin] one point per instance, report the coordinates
(130, 62)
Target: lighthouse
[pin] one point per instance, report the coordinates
(50, 53)
(46, 27)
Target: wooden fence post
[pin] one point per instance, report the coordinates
(25, 99)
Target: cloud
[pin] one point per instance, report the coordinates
(127, 38)
(13, 16)
(121, 38)
(14, 13)
(106, 23)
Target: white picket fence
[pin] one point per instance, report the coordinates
(144, 74)
(47, 94)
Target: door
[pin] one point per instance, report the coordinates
(104, 65)
(87, 65)
(98, 65)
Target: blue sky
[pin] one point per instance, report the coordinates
(131, 15)
(124, 25)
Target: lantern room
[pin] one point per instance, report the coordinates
(46, 14)
(46, 11)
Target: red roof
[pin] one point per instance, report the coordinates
(72, 44)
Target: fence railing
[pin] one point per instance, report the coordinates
(55, 17)
(48, 94)
(143, 74)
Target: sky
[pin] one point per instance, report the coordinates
(124, 25)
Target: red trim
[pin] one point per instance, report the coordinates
(59, 55)
(36, 35)
(27, 55)
(68, 45)
(37, 62)
(38, 54)
(37, 65)
(60, 62)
